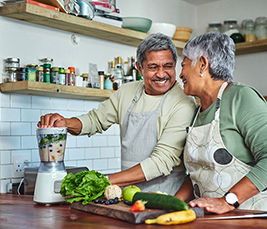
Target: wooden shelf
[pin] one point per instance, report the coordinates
(67, 22)
(55, 90)
(251, 47)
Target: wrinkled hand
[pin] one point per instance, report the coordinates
(52, 120)
(215, 205)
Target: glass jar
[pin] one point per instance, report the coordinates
(67, 77)
(261, 28)
(11, 75)
(47, 72)
(22, 75)
(85, 79)
(214, 27)
(31, 72)
(61, 76)
(40, 74)
(242, 27)
(249, 31)
(230, 26)
(54, 75)
(46, 60)
(72, 76)
(12, 62)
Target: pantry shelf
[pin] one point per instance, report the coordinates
(67, 22)
(55, 90)
(251, 47)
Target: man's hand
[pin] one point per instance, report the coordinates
(52, 120)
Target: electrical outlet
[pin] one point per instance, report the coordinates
(18, 164)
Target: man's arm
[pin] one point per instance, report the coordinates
(128, 177)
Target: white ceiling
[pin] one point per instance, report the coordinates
(199, 2)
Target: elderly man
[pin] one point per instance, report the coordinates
(153, 115)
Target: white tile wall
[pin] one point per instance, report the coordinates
(19, 115)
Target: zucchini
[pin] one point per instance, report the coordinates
(160, 201)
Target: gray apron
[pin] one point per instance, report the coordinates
(139, 138)
(212, 168)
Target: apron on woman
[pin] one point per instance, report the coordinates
(139, 138)
(212, 168)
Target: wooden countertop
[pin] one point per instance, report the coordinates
(19, 212)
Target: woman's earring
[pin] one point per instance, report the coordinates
(201, 74)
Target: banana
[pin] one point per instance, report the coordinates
(177, 217)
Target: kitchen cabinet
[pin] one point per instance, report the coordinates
(55, 90)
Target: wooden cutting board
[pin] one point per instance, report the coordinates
(119, 211)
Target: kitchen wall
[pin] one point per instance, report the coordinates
(19, 114)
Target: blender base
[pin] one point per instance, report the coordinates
(47, 188)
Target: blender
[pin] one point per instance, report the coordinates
(51, 143)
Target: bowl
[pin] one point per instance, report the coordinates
(165, 28)
(182, 34)
(136, 23)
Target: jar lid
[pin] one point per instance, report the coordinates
(215, 23)
(31, 65)
(101, 73)
(39, 68)
(46, 59)
(23, 69)
(12, 59)
(11, 69)
(261, 20)
(230, 20)
(85, 75)
(61, 70)
(72, 69)
(67, 71)
(55, 69)
(47, 65)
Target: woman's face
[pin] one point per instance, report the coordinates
(190, 75)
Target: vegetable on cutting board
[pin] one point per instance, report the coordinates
(138, 206)
(178, 217)
(160, 201)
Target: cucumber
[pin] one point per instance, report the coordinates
(160, 201)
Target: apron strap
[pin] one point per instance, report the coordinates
(218, 101)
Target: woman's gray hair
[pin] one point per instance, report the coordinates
(219, 50)
(155, 42)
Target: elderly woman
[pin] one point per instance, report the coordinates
(226, 147)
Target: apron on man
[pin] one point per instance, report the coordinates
(139, 138)
(212, 168)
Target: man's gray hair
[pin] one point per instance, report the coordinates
(219, 50)
(155, 42)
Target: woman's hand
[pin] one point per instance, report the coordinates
(52, 120)
(215, 205)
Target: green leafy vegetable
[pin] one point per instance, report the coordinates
(83, 186)
(50, 138)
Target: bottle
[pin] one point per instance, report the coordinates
(108, 85)
(54, 75)
(40, 74)
(67, 77)
(22, 76)
(133, 70)
(101, 79)
(261, 28)
(61, 76)
(72, 76)
(249, 32)
(118, 75)
(47, 72)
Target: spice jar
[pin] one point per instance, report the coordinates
(11, 75)
(46, 61)
(214, 27)
(22, 76)
(40, 74)
(47, 72)
(31, 72)
(261, 28)
(67, 77)
(61, 76)
(230, 26)
(72, 76)
(85, 79)
(249, 31)
(54, 75)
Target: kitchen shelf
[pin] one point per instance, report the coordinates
(67, 22)
(251, 47)
(55, 90)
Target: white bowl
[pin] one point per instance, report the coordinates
(165, 28)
